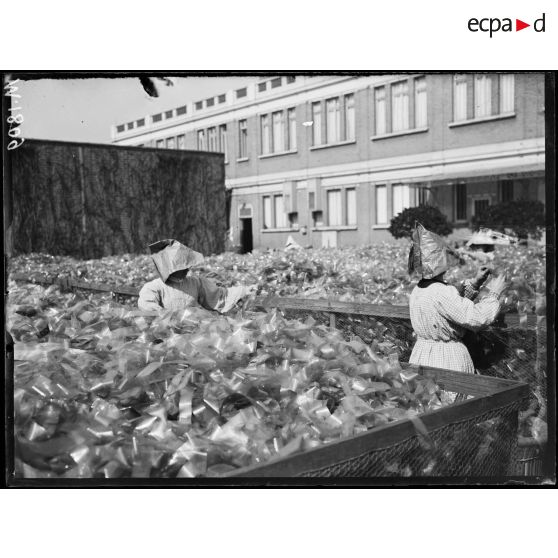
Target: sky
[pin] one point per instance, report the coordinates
(85, 109)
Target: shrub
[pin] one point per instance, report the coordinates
(521, 217)
(431, 217)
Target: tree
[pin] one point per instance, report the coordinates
(521, 217)
(431, 217)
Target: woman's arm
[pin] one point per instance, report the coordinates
(213, 297)
(210, 295)
(465, 313)
(468, 289)
(149, 297)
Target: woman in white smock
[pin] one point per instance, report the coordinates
(440, 313)
(175, 289)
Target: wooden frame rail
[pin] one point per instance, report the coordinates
(366, 309)
(332, 307)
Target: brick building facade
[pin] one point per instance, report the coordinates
(330, 159)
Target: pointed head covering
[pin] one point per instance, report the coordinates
(430, 255)
(170, 256)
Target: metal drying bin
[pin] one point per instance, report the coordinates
(487, 347)
(476, 437)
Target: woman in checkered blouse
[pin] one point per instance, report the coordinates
(440, 313)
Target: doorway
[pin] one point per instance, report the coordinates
(246, 240)
(480, 204)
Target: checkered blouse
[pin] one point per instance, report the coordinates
(440, 316)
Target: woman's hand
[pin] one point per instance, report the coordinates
(497, 285)
(482, 276)
(250, 290)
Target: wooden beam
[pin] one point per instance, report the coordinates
(74, 284)
(469, 384)
(394, 311)
(325, 305)
(367, 309)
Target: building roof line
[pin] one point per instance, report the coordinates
(303, 88)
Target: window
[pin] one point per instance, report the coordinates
(460, 98)
(401, 198)
(461, 201)
(140, 122)
(351, 206)
(120, 128)
(317, 124)
(339, 120)
(265, 134)
(212, 139)
(201, 140)
(421, 194)
(291, 132)
(267, 223)
(168, 114)
(262, 86)
(242, 139)
(180, 111)
(507, 103)
(505, 190)
(334, 210)
(181, 141)
(341, 206)
(241, 93)
(381, 113)
(199, 105)
(222, 98)
(487, 94)
(483, 95)
(280, 217)
(278, 143)
(223, 139)
(130, 125)
(275, 82)
(333, 122)
(349, 117)
(421, 110)
(157, 118)
(381, 204)
(480, 205)
(170, 143)
(400, 106)
(210, 102)
(160, 144)
(290, 79)
(273, 212)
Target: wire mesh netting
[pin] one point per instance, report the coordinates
(482, 444)
(485, 446)
(514, 353)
